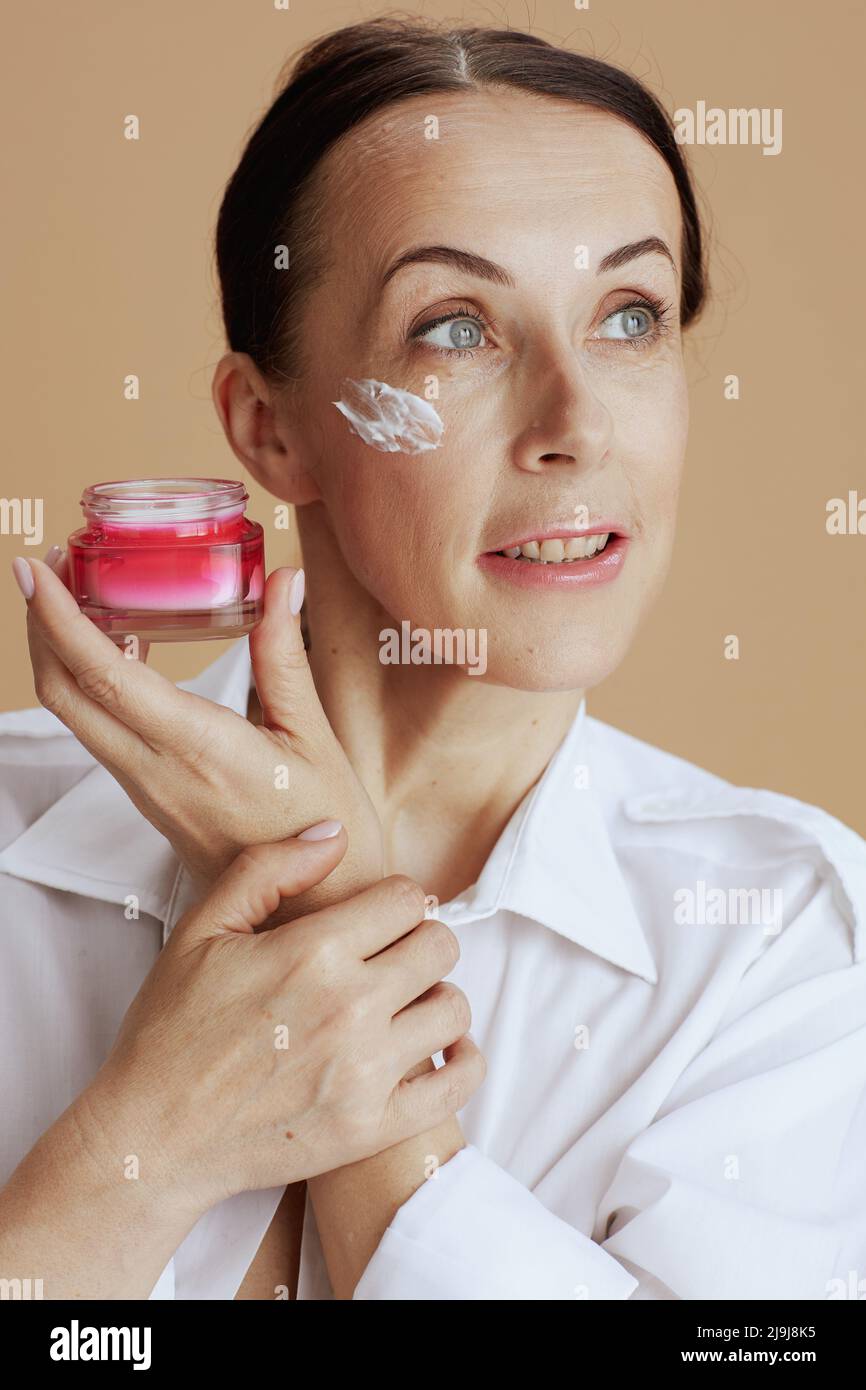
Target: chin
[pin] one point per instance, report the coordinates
(543, 668)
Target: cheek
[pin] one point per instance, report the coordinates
(398, 517)
(651, 438)
(390, 419)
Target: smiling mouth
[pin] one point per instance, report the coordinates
(570, 551)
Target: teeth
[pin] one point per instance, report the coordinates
(552, 550)
(555, 552)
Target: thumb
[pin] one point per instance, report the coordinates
(253, 885)
(282, 673)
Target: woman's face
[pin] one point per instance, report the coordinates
(560, 383)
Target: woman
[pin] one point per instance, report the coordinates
(467, 375)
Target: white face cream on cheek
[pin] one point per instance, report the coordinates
(389, 419)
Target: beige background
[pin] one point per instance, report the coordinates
(107, 269)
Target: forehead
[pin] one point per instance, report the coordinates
(519, 177)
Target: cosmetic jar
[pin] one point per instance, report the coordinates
(168, 559)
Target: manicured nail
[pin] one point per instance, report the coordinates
(325, 830)
(23, 576)
(51, 556)
(296, 593)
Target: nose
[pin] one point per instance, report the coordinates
(569, 426)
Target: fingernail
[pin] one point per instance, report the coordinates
(51, 556)
(325, 830)
(23, 576)
(296, 593)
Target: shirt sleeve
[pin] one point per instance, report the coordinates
(475, 1232)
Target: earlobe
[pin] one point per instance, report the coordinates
(281, 471)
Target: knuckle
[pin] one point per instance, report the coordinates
(407, 893)
(456, 1007)
(291, 662)
(354, 1012)
(252, 859)
(442, 943)
(49, 692)
(322, 957)
(196, 750)
(457, 1090)
(101, 683)
(321, 950)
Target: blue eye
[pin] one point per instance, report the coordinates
(639, 324)
(457, 333)
(633, 321)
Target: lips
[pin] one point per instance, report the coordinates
(559, 557)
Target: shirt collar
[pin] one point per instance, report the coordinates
(94, 841)
(553, 864)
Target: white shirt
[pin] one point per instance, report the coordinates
(675, 1107)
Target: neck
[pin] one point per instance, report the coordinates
(445, 757)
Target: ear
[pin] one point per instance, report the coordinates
(269, 447)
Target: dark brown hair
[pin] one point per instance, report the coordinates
(335, 83)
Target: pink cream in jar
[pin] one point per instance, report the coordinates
(168, 559)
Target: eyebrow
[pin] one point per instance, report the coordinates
(472, 264)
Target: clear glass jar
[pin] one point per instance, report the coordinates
(168, 559)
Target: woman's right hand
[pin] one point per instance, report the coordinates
(253, 1059)
(209, 779)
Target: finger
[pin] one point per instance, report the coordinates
(252, 886)
(57, 560)
(146, 702)
(425, 1101)
(282, 674)
(104, 736)
(409, 967)
(373, 918)
(430, 1024)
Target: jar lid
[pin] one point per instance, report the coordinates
(163, 499)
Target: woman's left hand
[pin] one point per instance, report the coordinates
(208, 779)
